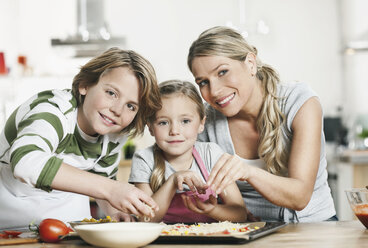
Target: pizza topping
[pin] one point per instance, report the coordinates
(93, 220)
(217, 228)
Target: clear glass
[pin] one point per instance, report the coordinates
(358, 199)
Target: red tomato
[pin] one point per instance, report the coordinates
(3, 235)
(51, 229)
(12, 233)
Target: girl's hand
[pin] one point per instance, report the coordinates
(227, 170)
(199, 206)
(191, 179)
(131, 200)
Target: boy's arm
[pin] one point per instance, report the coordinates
(122, 196)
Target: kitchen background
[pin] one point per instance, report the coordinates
(323, 43)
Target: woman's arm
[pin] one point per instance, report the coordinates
(122, 196)
(295, 190)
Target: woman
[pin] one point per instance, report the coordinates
(272, 131)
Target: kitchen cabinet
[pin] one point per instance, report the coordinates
(352, 172)
(124, 170)
(359, 163)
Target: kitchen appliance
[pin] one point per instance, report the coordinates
(93, 36)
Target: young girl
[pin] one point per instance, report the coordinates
(61, 147)
(175, 169)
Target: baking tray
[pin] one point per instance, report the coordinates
(265, 228)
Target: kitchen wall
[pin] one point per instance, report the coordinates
(303, 42)
(355, 59)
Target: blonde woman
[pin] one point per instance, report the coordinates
(175, 169)
(272, 132)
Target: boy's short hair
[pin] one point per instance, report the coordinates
(149, 97)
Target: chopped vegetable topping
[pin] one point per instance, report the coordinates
(217, 228)
(93, 220)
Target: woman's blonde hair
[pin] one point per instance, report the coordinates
(167, 89)
(149, 99)
(226, 42)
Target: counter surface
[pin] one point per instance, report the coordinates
(339, 234)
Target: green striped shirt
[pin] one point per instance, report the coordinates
(42, 133)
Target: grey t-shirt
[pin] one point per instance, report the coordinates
(143, 162)
(321, 207)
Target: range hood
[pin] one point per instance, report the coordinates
(93, 36)
(359, 44)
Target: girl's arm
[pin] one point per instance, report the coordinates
(122, 196)
(162, 196)
(233, 207)
(294, 191)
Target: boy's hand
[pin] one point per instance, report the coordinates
(131, 200)
(121, 216)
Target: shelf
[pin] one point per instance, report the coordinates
(356, 46)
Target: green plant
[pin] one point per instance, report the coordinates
(129, 149)
(364, 133)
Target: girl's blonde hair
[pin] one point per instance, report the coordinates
(226, 42)
(169, 88)
(149, 99)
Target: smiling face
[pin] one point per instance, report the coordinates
(176, 125)
(225, 83)
(111, 104)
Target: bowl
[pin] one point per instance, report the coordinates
(73, 224)
(358, 199)
(122, 234)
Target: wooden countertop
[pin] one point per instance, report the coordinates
(341, 234)
(357, 157)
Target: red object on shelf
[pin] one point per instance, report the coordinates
(3, 69)
(22, 60)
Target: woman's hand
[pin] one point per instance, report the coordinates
(191, 179)
(228, 169)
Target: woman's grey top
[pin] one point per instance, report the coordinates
(320, 207)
